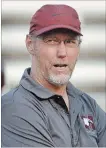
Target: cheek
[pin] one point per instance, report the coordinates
(73, 54)
(46, 57)
(48, 53)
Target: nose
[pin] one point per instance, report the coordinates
(61, 51)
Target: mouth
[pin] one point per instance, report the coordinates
(60, 65)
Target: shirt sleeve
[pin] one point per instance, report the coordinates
(101, 126)
(24, 126)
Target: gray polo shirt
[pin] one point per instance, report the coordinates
(33, 116)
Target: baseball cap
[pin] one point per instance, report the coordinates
(50, 17)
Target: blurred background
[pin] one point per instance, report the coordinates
(89, 73)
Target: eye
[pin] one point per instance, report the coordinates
(51, 40)
(69, 41)
(47, 40)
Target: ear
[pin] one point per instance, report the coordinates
(29, 45)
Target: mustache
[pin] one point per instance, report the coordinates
(63, 63)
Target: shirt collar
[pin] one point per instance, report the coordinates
(43, 93)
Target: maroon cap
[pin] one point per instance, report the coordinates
(50, 17)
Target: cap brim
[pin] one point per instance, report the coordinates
(46, 29)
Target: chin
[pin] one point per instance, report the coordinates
(59, 80)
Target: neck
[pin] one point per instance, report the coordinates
(59, 90)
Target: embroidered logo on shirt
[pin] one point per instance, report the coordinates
(88, 121)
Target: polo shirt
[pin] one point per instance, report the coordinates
(33, 116)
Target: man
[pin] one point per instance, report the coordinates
(46, 110)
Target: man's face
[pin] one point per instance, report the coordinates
(55, 57)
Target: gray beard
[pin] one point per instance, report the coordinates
(58, 80)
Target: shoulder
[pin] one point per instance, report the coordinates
(86, 100)
(91, 104)
(19, 104)
(82, 97)
(23, 119)
(21, 96)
